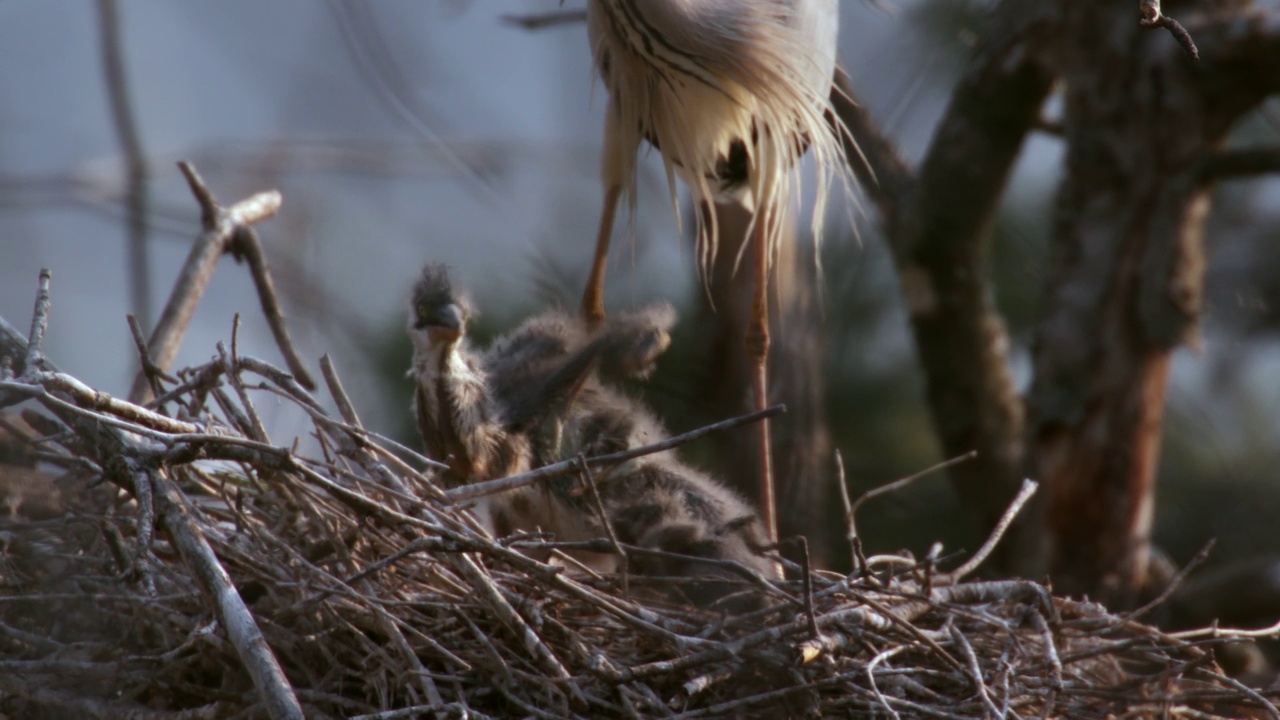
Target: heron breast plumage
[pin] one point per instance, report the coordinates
(730, 91)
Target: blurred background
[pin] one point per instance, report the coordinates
(401, 132)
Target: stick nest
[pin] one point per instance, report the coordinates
(186, 532)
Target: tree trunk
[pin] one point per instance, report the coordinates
(1141, 120)
(1143, 126)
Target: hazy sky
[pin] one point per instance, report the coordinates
(396, 131)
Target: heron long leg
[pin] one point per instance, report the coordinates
(758, 348)
(593, 297)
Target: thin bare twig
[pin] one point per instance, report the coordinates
(564, 467)
(900, 483)
(851, 529)
(1152, 17)
(136, 196)
(814, 631)
(340, 397)
(1024, 494)
(1174, 582)
(153, 374)
(39, 324)
(483, 584)
(598, 505)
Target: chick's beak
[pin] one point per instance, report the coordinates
(446, 321)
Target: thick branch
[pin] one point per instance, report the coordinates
(1240, 164)
(938, 226)
(225, 230)
(242, 630)
(1240, 48)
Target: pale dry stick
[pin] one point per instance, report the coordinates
(851, 532)
(1028, 489)
(598, 505)
(493, 597)
(90, 399)
(564, 467)
(1271, 709)
(153, 373)
(1174, 582)
(39, 324)
(900, 483)
(1271, 631)
(1052, 658)
(702, 682)
(52, 401)
(242, 630)
(222, 228)
(871, 677)
(345, 407)
(975, 672)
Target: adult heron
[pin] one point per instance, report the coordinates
(732, 93)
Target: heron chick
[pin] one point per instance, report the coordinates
(539, 395)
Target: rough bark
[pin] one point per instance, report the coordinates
(938, 221)
(1141, 121)
(1144, 125)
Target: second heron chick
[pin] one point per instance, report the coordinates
(543, 393)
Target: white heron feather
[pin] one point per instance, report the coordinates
(694, 76)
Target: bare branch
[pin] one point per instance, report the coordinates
(1240, 164)
(900, 483)
(246, 242)
(39, 324)
(1015, 507)
(222, 228)
(241, 628)
(136, 197)
(1152, 17)
(564, 467)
